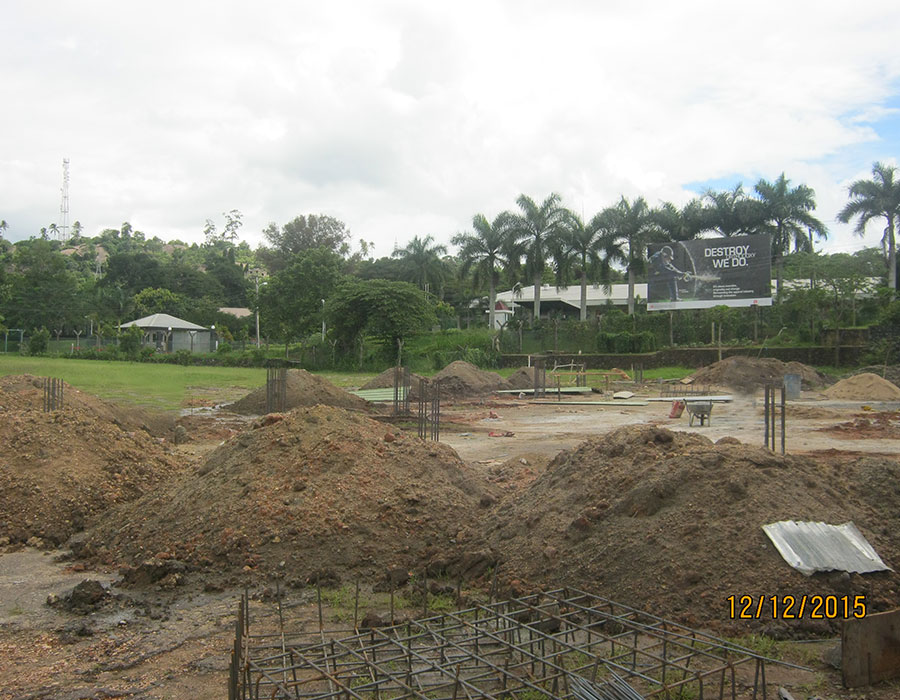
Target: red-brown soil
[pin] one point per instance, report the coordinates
(749, 373)
(303, 389)
(59, 470)
(672, 523)
(320, 489)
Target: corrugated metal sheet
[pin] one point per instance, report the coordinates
(810, 547)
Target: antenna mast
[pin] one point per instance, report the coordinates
(64, 206)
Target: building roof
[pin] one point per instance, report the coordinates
(237, 311)
(164, 322)
(596, 295)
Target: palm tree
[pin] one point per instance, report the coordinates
(582, 247)
(3, 227)
(680, 224)
(787, 218)
(871, 199)
(422, 259)
(731, 212)
(54, 230)
(482, 251)
(534, 228)
(628, 227)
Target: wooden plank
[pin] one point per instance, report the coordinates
(870, 649)
(592, 403)
(689, 398)
(550, 390)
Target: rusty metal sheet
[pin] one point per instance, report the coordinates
(815, 546)
(870, 649)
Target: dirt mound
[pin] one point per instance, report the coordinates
(460, 379)
(328, 492)
(864, 387)
(749, 373)
(522, 378)
(385, 380)
(59, 470)
(24, 391)
(672, 523)
(303, 389)
(889, 372)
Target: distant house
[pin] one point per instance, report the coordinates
(167, 334)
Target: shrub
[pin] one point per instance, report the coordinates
(39, 342)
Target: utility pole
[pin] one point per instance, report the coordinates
(64, 205)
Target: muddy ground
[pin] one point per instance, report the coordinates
(173, 641)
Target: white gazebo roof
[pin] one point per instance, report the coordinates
(164, 322)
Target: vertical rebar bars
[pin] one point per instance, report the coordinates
(53, 394)
(276, 389)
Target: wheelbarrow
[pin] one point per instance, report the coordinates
(700, 410)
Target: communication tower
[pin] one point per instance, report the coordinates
(64, 206)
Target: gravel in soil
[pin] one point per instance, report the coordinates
(461, 379)
(317, 493)
(60, 470)
(671, 523)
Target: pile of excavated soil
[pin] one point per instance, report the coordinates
(303, 389)
(461, 379)
(864, 387)
(385, 380)
(671, 523)
(59, 470)
(24, 391)
(749, 373)
(522, 378)
(329, 492)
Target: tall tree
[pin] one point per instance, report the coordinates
(585, 253)
(534, 227)
(303, 233)
(731, 212)
(788, 219)
(873, 199)
(3, 227)
(422, 261)
(628, 227)
(482, 253)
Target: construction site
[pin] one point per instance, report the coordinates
(557, 533)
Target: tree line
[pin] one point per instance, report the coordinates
(307, 273)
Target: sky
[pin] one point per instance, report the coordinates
(406, 119)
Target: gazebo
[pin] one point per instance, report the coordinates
(168, 334)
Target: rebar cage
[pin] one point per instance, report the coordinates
(560, 644)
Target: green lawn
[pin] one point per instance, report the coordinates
(159, 386)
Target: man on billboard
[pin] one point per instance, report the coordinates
(663, 271)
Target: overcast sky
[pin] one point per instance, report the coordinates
(407, 118)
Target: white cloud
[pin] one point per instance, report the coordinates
(406, 119)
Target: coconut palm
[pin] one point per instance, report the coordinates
(534, 228)
(3, 227)
(422, 261)
(731, 212)
(484, 253)
(628, 227)
(680, 224)
(582, 250)
(872, 199)
(787, 218)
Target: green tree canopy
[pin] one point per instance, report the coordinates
(390, 311)
(300, 234)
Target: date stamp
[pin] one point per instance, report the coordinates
(790, 607)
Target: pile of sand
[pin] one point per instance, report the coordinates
(385, 380)
(864, 387)
(59, 470)
(889, 372)
(321, 489)
(460, 379)
(749, 373)
(303, 389)
(671, 523)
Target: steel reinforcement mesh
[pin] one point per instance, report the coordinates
(560, 644)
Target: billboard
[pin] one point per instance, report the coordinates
(707, 272)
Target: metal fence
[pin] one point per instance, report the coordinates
(559, 644)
